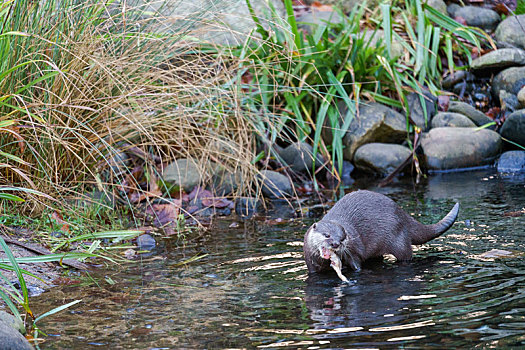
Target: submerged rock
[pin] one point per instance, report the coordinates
(275, 185)
(499, 59)
(246, 207)
(479, 118)
(510, 31)
(514, 127)
(511, 80)
(455, 148)
(380, 158)
(376, 123)
(512, 162)
(451, 119)
(146, 242)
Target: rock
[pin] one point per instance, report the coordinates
(246, 207)
(476, 16)
(376, 123)
(521, 97)
(218, 22)
(10, 336)
(455, 148)
(309, 21)
(146, 242)
(380, 158)
(498, 60)
(451, 119)
(509, 102)
(479, 118)
(183, 173)
(275, 185)
(416, 108)
(514, 127)
(510, 31)
(457, 77)
(512, 162)
(438, 5)
(226, 182)
(452, 9)
(511, 80)
(376, 38)
(299, 156)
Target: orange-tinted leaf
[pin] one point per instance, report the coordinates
(320, 7)
(59, 220)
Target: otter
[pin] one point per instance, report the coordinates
(364, 225)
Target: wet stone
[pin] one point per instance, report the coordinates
(184, 173)
(10, 336)
(146, 242)
(512, 162)
(450, 119)
(299, 156)
(246, 207)
(417, 113)
(521, 97)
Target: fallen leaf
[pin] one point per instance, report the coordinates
(164, 213)
(320, 7)
(59, 220)
(130, 254)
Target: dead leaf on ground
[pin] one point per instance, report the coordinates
(321, 7)
(164, 214)
(59, 220)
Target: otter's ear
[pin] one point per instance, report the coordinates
(314, 226)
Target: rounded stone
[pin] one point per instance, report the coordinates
(455, 148)
(246, 207)
(184, 173)
(478, 117)
(512, 162)
(299, 156)
(514, 127)
(380, 158)
(451, 119)
(275, 185)
(510, 31)
(499, 59)
(521, 97)
(476, 16)
(511, 80)
(146, 242)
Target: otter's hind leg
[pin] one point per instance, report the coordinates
(403, 251)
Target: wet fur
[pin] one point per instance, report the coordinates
(364, 225)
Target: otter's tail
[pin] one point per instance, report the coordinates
(432, 231)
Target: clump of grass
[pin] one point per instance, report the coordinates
(85, 85)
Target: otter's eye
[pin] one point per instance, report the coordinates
(326, 235)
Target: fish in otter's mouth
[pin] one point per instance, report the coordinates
(335, 261)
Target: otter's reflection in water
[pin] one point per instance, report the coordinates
(380, 295)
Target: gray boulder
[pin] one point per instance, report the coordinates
(512, 162)
(514, 127)
(309, 21)
(511, 31)
(450, 119)
(438, 5)
(499, 59)
(183, 173)
(521, 97)
(455, 148)
(508, 102)
(380, 158)
(479, 118)
(476, 16)
(375, 38)
(10, 336)
(275, 185)
(511, 80)
(223, 22)
(224, 181)
(376, 123)
(299, 156)
(417, 114)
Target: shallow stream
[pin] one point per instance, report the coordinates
(251, 289)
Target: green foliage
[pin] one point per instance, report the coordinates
(520, 7)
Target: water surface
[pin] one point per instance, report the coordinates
(251, 290)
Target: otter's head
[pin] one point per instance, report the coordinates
(321, 239)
